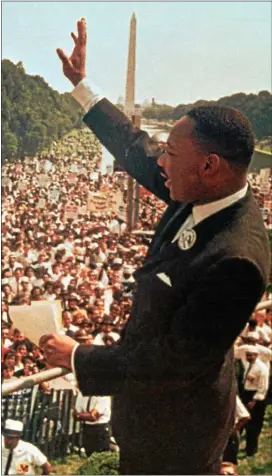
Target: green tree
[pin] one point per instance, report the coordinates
(34, 115)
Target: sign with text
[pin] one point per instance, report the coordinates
(41, 203)
(43, 180)
(71, 211)
(53, 194)
(97, 202)
(22, 185)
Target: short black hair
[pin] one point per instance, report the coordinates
(224, 131)
(252, 322)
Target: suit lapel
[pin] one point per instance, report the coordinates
(170, 226)
(206, 231)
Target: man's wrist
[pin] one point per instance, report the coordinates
(87, 94)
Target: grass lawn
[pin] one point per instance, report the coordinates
(259, 464)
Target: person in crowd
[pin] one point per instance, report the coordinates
(18, 456)
(6, 337)
(253, 333)
(242, 416)
(7, 373)
(68, 328)
(16, 281)
(176, 341)
(263, 328)
(95, 414)
(8, 294)
(10, 358)
(255, 387)
(106, 330)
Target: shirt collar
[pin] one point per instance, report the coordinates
(200, 212)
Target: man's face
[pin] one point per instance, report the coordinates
(19, 336)
(73, 304)
(260, 316)
(8, 373)
(21, 350)
(11, 441)
(106, 328)
(10, 360)
(17, 273)
(67, 320)
(251, 357)
(181, 163)
(5, 334)
(30, 273)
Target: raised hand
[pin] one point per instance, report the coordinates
(74, 66)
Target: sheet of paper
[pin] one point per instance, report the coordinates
(35, 320)
(58, 308)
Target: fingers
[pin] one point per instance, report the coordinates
(75, 38)
(44, 339)
(62, 56)
(82, 31)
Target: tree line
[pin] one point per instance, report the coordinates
(257, 107)
(33, 114)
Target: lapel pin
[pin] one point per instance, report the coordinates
(187, 239)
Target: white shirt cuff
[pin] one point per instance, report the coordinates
(73, 359)
(87, 94)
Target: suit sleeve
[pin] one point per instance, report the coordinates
(128, 145)
(200, 333)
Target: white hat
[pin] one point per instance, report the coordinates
(251, 349)
(253, 334)
(93, 246)
(24, 279)
(128, 269)
(117, 261)
(13, 427)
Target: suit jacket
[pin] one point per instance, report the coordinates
(172, 373)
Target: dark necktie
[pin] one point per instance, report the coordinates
(174, 224)
(247, 371)
(8, 463)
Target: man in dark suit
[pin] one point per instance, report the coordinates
(172, 373)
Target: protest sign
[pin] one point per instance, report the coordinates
(97, 202)
(94, 176)
(41, 203)
(22, 185)
(43, 180)
(71, 211)
(53, 194)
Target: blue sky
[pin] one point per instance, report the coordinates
(185, 50)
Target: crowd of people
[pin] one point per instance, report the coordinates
(87, 263)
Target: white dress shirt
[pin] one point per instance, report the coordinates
(265, 354)
(24, 458)
(101, 404)
(201, 212)
(256, 377)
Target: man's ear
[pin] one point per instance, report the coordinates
(211, 164)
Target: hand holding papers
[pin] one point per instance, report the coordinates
(36, 320)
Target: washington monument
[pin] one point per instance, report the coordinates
(130, 85)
